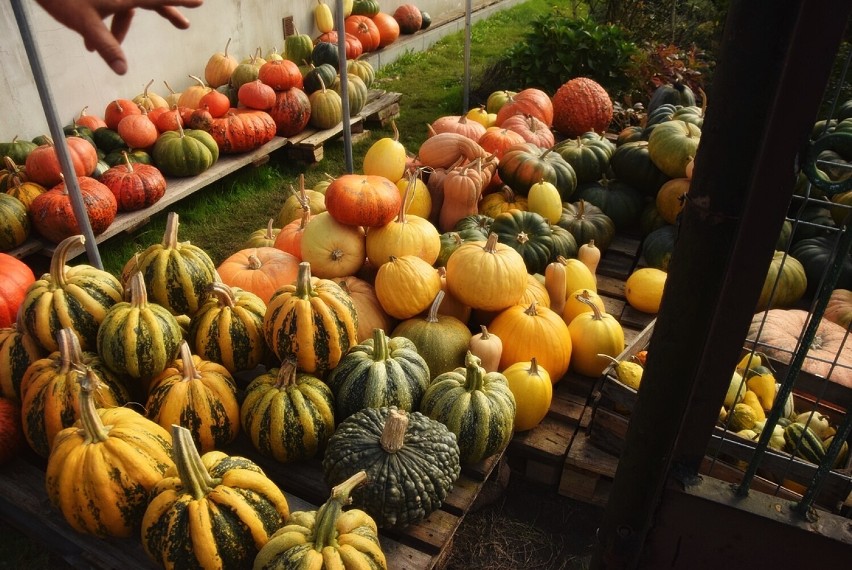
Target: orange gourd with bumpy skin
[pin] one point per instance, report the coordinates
(581, 105)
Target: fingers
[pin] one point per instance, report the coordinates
(121, 24)
(174, 16)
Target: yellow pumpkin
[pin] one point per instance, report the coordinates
(644, 289)
(578, 276)
(408, 234)
(418, 202)
(535, 291)
(386, 157)
(333, 249)
(575, 304)
(406, 286)
(593, 334)
(499, 280)
(533, 391)
(671, 197)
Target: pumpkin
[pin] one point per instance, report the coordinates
(386, 157)
(462, 188)
(416, 198)
(219, 67)
(411, 462)
(838, 309)
(816, 254)
(291, 111)
(365, 30)
(371, 315)
(138, 131)
(594, 333)
(529, 234)
(672, 145)
(259, 270)
(409, 18)
(450, 305)
(15, 223)
(101, 470)
(228, 328)
(224, 509)
(264, 237)
(543, 199)
(534, 331)
(257, 95)
(499, 281)
(176, 274)
(280, 74)
(406, 234)
(52, 212)
(134, 186)
(525, 164)
(356, 92)
(362, 68)
(621, 203)
(581, 301)
(406, 286)
(241, 130)
(352, 45)
(327, 536)
(117, 109)
(139, 338)
(497, 140)
(581, 105)
(24, 191)
(43, 166)
(671, 198)
(458, 124)
(530, 101)
(16, 150)
(644, 289)
(776, 333)
(199, 394)
(50, 391)
(501, 201)
(533, 390)
(326, 107)
(363, 200)
(312, 319)
(11, 437)
(442, 340)
(17, 278)
(785, 283)
(18, 351)
(295, 204)
(379, 372)
(589, 157)
(488, 347)
(445, 150)
(77, 297)
(657, 247)
(185, 152)
(476, 405)
(333, 249)
(531, 129)
(289, 238)
(631, 163)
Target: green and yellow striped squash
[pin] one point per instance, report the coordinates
(228, 328)
(102, 469)
(177, 274)
(312, 319)
(17, 351)
(69, 297)
(379, 372)
(210, 511)
(137, 338)
(288, 415)
(327, 537)
(51, 392)
(198, 394)
(411, 462)
(476, 405)
(14, 222)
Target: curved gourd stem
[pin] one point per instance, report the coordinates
(170, 235)
(70, 352)
(190, 372)
(586, 300)
(304, 290)
(380, 345)
(94, 429)
(286, 374)
(327, 515)
(60, 257)
(432, 315)
(191, 471)
(138, 292)
(224, 294)
(474, 372)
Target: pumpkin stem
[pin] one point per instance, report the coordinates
(126, 159)
(303, 281)
(484, 335)
(395, 131)
(223, 293)
(286, 374)
(491, 243)
(432, 317)
(306, 217)
(60, 256)
(407, 197)
(170, 235)
(94, 429)
(190, 372)
(193, 475)
(254, 262)
(138, 292)
(269, 229)
(474, 372)
(70, 353)
(532, 310)
(586, 299)
(393, 434)
(380, 345)
(533, 370)
(327, 515)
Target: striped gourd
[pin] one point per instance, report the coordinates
(14, 222)
(312, 319)
(379, 372)
(288, 415)
(411, 462)
(17, 351)
(228, 328)
(210, 511)
(476, 405)
(177, 274)
(327, 537)
(199, 395)
(51, 392)
(138, 338)
(69, 297)
(102, 469)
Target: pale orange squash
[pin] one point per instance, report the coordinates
(261, 270)
(333, 249)
(371, 315)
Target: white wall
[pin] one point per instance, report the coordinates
(155, 50)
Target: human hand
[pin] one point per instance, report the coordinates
(86, 17)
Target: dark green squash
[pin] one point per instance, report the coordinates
(323, 74)
(587, 222)
(17, 149)
(411, 462)
(564, 243)
(621, 202)
(185, 152)
(476, 405)
(529, 234)
(588, 156)
(379, 372)
(526, 164)
(815, 254)
(475, 223)
(631, 164)
(108, 140)
(657, 247)
(325, 52)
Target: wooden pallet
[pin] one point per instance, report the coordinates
(422, 546)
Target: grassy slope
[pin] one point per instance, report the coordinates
(220, 217)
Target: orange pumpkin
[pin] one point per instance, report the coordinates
(261, 270)
(497, 140)
(406, 286)
(581, 105)
(138, 131)
(839, 308)
(362, 200)
(388, 28)
(531, 129)
(530, 101)
(500, 278)
(42, 164)
(371, 315)
(289, 239)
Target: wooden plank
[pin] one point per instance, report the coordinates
(611, 287)
(548, 442)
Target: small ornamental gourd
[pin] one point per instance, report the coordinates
(533, 391)
(228, 328)
(594, 333)
(138, 338)
(287, 414)
(101, 470)
(198, 394)
(211, 510)
(76, 297)
(476, 405)
(50, 391)
(379, 372)
(312, 319)
(327, 537)
(176, 274)
(488, 347)
(411, 462)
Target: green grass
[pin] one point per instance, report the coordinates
(220, 217)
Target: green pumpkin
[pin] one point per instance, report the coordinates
(411, 463)
(298, 48)
(357, 91)
(628, 135)
(526, 164)
(17, 149)
(815, 254)
(185, 152)
(84, 133)
(673, 145)
(325, 52)
(441, 340)
(318, 77)
(588, 156)
(631, 164)
(326, 109)
(657, 247)
(690, 114)
(621, 202)
(784, 285)
(817, 221)
(135, 156)
(651, 219)
(379, 372)
(14, 222)
(474, 223)
(587, 222)
(677, 94)
(108, 140)
(476, 405)
(365, 8)
(363, 69)
(564, 244)
(288, 415)
(529, 234)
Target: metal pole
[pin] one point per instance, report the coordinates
(344, 86)
(466, 95)
(58, 135)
